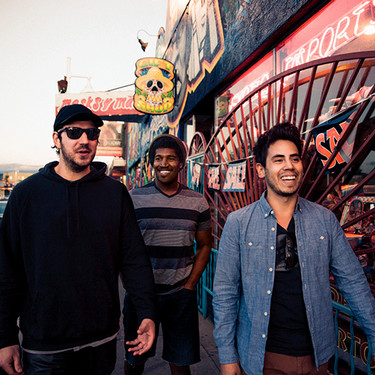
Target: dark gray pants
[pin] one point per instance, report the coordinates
(100, 360)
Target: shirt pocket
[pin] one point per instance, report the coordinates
(318, 242)
(315, 254)
(254, 257)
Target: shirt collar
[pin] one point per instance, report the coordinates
(267, 209)
(298, 205)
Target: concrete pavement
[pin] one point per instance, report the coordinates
(209, 364)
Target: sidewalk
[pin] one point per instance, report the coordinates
(209, 364)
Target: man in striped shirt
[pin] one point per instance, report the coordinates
(170, 217)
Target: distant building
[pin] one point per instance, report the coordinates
(9, 179)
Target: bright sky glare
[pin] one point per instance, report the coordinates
(37, 37)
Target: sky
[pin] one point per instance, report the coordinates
(36, 39)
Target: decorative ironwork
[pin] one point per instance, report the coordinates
(307, 96)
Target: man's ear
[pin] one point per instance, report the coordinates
(56, 140)
(260, 170)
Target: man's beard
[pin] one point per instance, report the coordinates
(72, 165)
(272, 186)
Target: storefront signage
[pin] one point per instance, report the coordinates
(235, 177)
(247, 89)
(360, 349)
(359, 20)
(196, 174)
(213, 177)
(341, 27)
(327, 135)
(101, 103)
(249, 81)
(154, 86)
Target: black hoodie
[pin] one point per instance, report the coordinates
(62, 247)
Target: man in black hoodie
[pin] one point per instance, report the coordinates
(67, 233)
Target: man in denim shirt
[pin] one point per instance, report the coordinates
(272, 298)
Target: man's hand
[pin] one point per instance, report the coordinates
(231, 369)
(145, 338)
(10, 360)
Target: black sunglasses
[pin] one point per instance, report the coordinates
(76, 133)
(291, 257)
(286, 250)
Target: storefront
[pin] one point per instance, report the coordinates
(243, 66)
(321, 69)
(339, 158)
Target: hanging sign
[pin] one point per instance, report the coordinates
(154, 86)
(213, 177)
(235, 177)
(196, 174)
(328, 134)
(100, 102)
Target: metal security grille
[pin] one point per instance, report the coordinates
(305, 96)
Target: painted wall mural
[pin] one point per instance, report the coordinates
(196, 47)
(209, 39)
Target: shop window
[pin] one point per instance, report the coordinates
(249, 81)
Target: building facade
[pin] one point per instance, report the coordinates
(242, 66)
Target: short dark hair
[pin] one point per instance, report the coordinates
(284, 131)
(168, 141)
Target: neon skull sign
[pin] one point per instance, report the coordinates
(154, 86)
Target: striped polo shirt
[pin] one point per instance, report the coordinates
(168, 225)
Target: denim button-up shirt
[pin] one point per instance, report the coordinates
(245, 273)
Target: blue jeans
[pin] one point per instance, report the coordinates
(100, 360)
